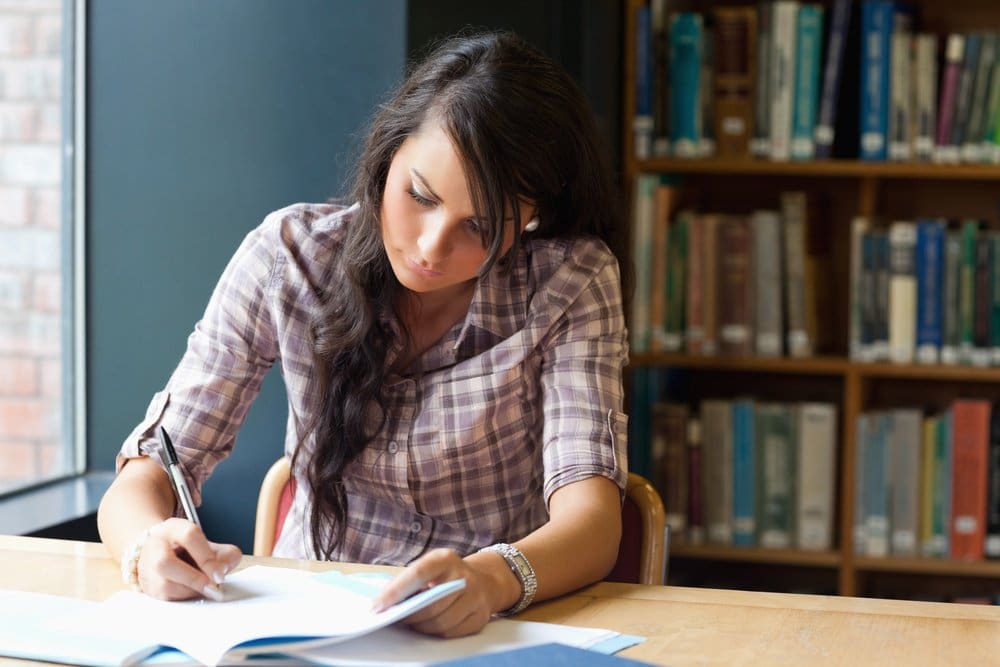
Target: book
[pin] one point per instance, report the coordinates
(982, 301)
(733, 80)
(880, 344)
(904, 473)
(902, 291)
(686, 45)
(992, 543)
(769, 326)
(696, 301)
(735, 287)
(868, 307)
(877, 489)
(859, 280)
(972, 139)
(793, 209)
(876, 30)
(677, 246)
(642, 120)
(809, 43)
(925, 96)
(900, 84)
(696, 524)
(706, 143)
(781, 86)
(760, 144)
(266, 610)
(944, 150)
(963, 99)
(744, 475)
(970, 459)
(664, 202)
(659, 45)
(670, 464)
(928, 446)
(951, 292)
(777, 466)
(816, 475)
(643, 221)
(717, 470)
(862, 438)
(930, 281)
(967, 291)
(554, 654)
(995, 302)
(833, 74)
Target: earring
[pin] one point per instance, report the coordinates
(532, 225)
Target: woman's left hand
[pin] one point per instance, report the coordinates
(464, 613)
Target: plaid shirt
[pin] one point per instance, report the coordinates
(520, 398)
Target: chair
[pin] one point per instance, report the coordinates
(642, 554)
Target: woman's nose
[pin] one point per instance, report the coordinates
(433, 240)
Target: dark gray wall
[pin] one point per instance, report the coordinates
(203, 116)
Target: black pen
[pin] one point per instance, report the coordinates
(177, 479)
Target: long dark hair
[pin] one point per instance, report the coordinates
(523, 132)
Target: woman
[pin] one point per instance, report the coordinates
(451, 344)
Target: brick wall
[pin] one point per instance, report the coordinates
(31, 442)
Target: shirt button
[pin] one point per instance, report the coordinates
(416, 527)
(393, 447)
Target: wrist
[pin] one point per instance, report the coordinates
(519, 576)
(130, 560)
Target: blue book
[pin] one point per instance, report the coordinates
(930, 282)
(686, 48)
(744, 474)
(877, 486)
(826, 121)
(809, 42)
(876, 39)
(553, 655)
(642, 121)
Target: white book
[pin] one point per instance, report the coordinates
(784, 31)
(817, 437)
(768, 322)
(902, 292)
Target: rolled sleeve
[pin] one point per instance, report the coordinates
(584, 431)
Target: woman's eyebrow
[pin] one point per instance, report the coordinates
(423, 183)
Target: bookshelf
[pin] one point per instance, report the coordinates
(850, 187)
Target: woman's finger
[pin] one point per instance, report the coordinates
(434, 567)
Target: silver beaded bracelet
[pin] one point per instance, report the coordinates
(130, 561)
(522, 569)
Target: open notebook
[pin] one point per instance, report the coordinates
(269, 616)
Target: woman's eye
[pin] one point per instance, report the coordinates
(420, 199)
(474, 227)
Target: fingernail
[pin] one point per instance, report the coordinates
(218, 577)
(378, 607)
(212, 593)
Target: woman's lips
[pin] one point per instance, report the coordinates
(421, 269)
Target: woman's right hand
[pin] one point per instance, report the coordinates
(177, 562)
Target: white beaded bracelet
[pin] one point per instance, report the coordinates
(522, 569)
(130, 561)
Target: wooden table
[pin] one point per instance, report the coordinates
(683, 626)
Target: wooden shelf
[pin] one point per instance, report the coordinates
(933, 566)
(823, 168)
(819, 366)
(756, 555)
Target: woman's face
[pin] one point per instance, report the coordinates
(429, 225)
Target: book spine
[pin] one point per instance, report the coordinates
(706, 100)
(663, 198)
(825, 132)
(941, 488)
(925, 98)
(930, 279)
(642, 121)
(859, 227)
(642, 232)
(696, 523)
(952, 291)
(880, 346)
(817, 424)
(982, 301)
(793, 207)
(710, 280)
(782, 84)
(808, 48)
(877, 487)
(966, 83)
(902, 292)
(659, 52)
(905, 480)
(673, 340)
(928, 443)
(862, 436)
(735, 287)
(776, 449)
(744, 475)
(686, 44)
(944, 151)
(995, 302)
(970, 459)
(876, 30)
(992, 544)
(972, 140)
(900, 45)
(640, 430)
(869, 294)
(674, 489)
(695, 332)
(967, 295)
(717, 466)
(769, 327)
(735, 72)
(760, 145)
(987, 150)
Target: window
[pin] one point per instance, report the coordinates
(41, 156)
